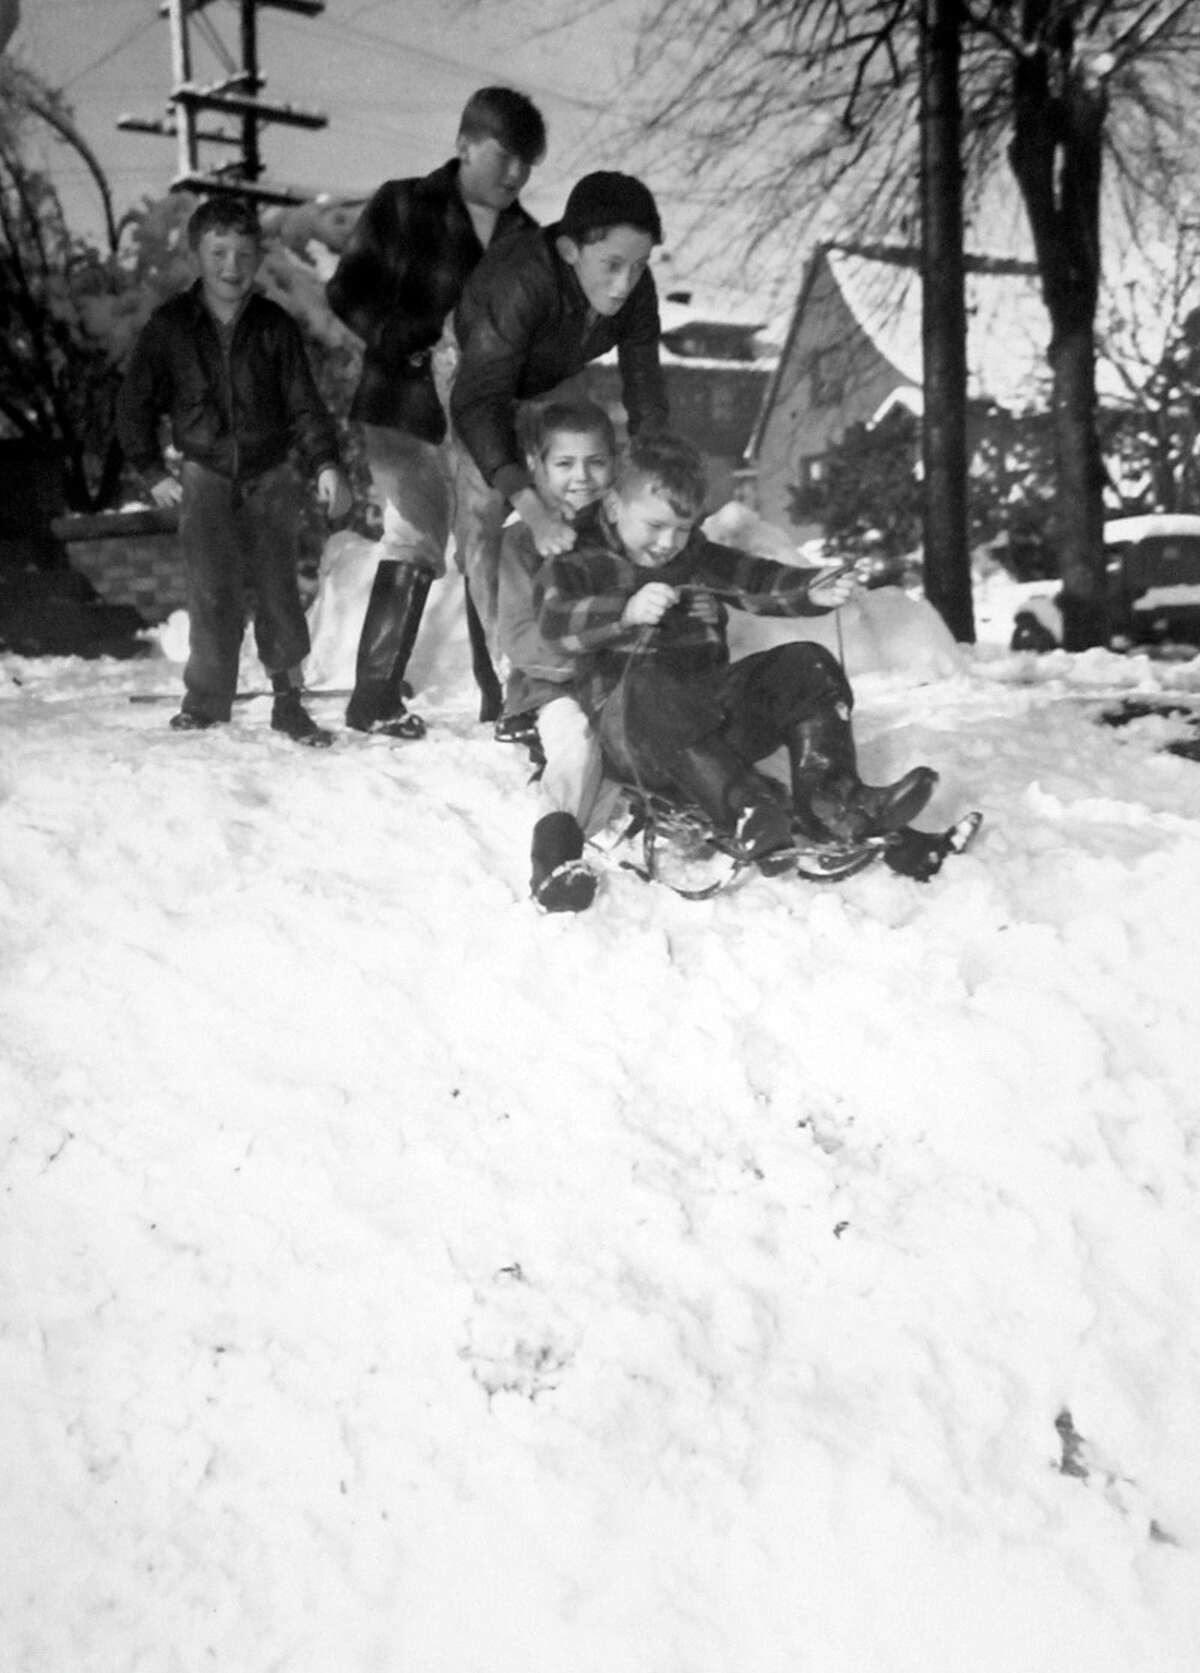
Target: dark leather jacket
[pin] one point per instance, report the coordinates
(238, 413)
(524, 326)
(401, 273)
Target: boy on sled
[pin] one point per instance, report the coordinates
(641, 604)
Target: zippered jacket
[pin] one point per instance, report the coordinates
(402, 272)
(524, 326)
(238, 412)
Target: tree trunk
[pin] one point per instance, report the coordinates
(1056, 152)
(947, 558)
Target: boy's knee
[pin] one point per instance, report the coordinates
(814, 669)
(563, 724)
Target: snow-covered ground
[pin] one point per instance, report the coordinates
(396, 1280)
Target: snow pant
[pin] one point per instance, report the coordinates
(239, 539)
(428, 491)
(573, 780)
(653, 714)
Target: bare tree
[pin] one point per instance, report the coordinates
(1149, 353)
(802, 113)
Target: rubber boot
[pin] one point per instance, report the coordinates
(732, 795)
(921, 854)
(561, 880)
(389, 632)
(491, 694)
(828, 797)
(289, 716)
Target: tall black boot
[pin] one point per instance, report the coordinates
(561, 880)
(491, 695)
(389, 632)
(737, 800)
(828, 797)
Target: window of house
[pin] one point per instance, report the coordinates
(827, 382)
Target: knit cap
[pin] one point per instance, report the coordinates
(610, 200)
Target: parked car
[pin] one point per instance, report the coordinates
(1154, 575)
(1153, 565)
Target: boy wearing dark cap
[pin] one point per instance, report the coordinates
(535, 311)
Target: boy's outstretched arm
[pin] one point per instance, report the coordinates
(763, 587)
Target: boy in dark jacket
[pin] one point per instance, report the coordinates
(401, 274)
(227, 367)
(640, 603)
(532, 315)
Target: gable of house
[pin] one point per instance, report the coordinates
(854, 349)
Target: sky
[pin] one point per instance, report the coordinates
(394, 1277)
(392, 76)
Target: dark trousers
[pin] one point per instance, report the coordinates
(239, 543)
(752, 706)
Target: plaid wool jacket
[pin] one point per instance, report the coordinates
(582, 595)
(402, 272)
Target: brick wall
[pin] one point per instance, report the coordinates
(130, 557)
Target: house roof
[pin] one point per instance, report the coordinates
(1007, 326)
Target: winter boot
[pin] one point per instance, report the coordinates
(517, 729)
(562, 880)
(289, 716)
(187, 720)
(922, 854)
(732, 795)
(389, 632)
(828, 797)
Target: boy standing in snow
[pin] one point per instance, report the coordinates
(532, 315)
(571, 457)
(402, 272)
(638, 602)
(227, 367)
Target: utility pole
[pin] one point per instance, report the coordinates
(236, 98)
(947, 561)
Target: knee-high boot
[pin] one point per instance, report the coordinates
(389, 632)
(732, 794)
(828, 797)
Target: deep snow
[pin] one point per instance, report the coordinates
(397, 1279)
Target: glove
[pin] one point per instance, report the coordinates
(916, 854)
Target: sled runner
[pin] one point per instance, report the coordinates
(681, 849)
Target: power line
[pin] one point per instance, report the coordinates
(461, 66)
(135, 32)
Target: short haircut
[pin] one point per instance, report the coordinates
(223, 213)
(579, 417)
(668, 463)
(503, 114)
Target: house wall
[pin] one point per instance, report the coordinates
(831, 375)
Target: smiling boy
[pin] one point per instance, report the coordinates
(571, 457)
(641, 603)
(227, 367)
